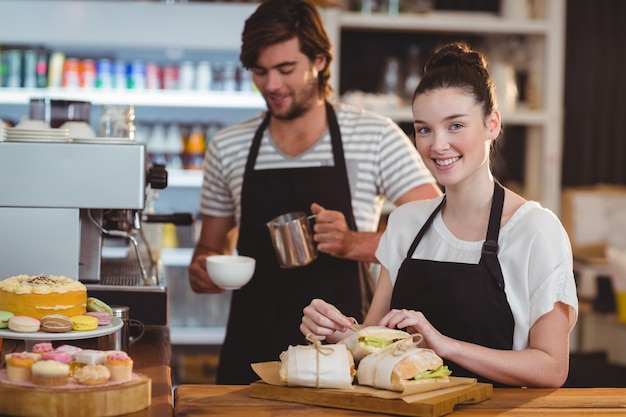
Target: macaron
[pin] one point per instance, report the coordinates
(24, 324)
(104, 319)
(94, 304)
(4, 319)
(84, 323)
(56, 323)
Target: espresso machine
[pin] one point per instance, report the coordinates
(62, 205)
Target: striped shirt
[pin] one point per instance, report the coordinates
(380, 159)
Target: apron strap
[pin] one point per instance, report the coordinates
(490, 248)
(256, 144)
(424, 228)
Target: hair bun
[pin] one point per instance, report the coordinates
(455, 53)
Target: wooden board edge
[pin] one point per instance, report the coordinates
(433, 407)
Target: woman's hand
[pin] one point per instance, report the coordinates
(416, 322)
(324, 321)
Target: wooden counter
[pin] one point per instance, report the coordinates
(234, 401)
(152, 356)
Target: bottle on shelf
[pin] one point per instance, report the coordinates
(194, 148)
(391, 77)
(104, 74)
(413, 73)
(204, 76)
(156, 144)
(173, 146)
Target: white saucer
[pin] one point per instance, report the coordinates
(35, 139)
(116, 323)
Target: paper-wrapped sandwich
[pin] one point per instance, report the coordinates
(317, 365)
(372, 339)
(401, 364)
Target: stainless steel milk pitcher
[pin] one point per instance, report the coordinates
(292, 237)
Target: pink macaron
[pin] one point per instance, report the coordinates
(104, 319)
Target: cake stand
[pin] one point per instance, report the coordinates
(33, 338)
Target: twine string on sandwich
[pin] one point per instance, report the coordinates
(355, 325)
(321, 350)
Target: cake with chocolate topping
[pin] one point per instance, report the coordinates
(39, 296)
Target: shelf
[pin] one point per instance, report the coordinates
(521, 116)
(443, 22)
(152, 98)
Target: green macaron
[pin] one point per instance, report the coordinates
(4, 319)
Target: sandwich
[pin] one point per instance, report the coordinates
(372, 339)
(400, 365)
(318, 366)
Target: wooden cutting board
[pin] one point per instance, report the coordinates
(430, 404)
(114, 400)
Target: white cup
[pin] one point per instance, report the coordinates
(230, 272)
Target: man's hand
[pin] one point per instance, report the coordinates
(199, 278)
(331, 232)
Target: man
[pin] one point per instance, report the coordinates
(302, 154)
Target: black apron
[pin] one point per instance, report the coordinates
(463, 301)
(265, 314)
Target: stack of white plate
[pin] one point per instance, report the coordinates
(104, 141)
(16, 134)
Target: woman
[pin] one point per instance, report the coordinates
(485, 276)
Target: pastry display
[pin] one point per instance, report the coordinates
(39, 296)
(84, 323)
(56, 323)
(24, 324)
(50, 373)
(67, 365)
(120, 365)
(92, 375)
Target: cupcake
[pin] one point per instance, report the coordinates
(120, 365)
(19, 366)
(50, 373)
(92, 375)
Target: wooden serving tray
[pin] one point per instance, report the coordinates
(103, 401)
(428, 404)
